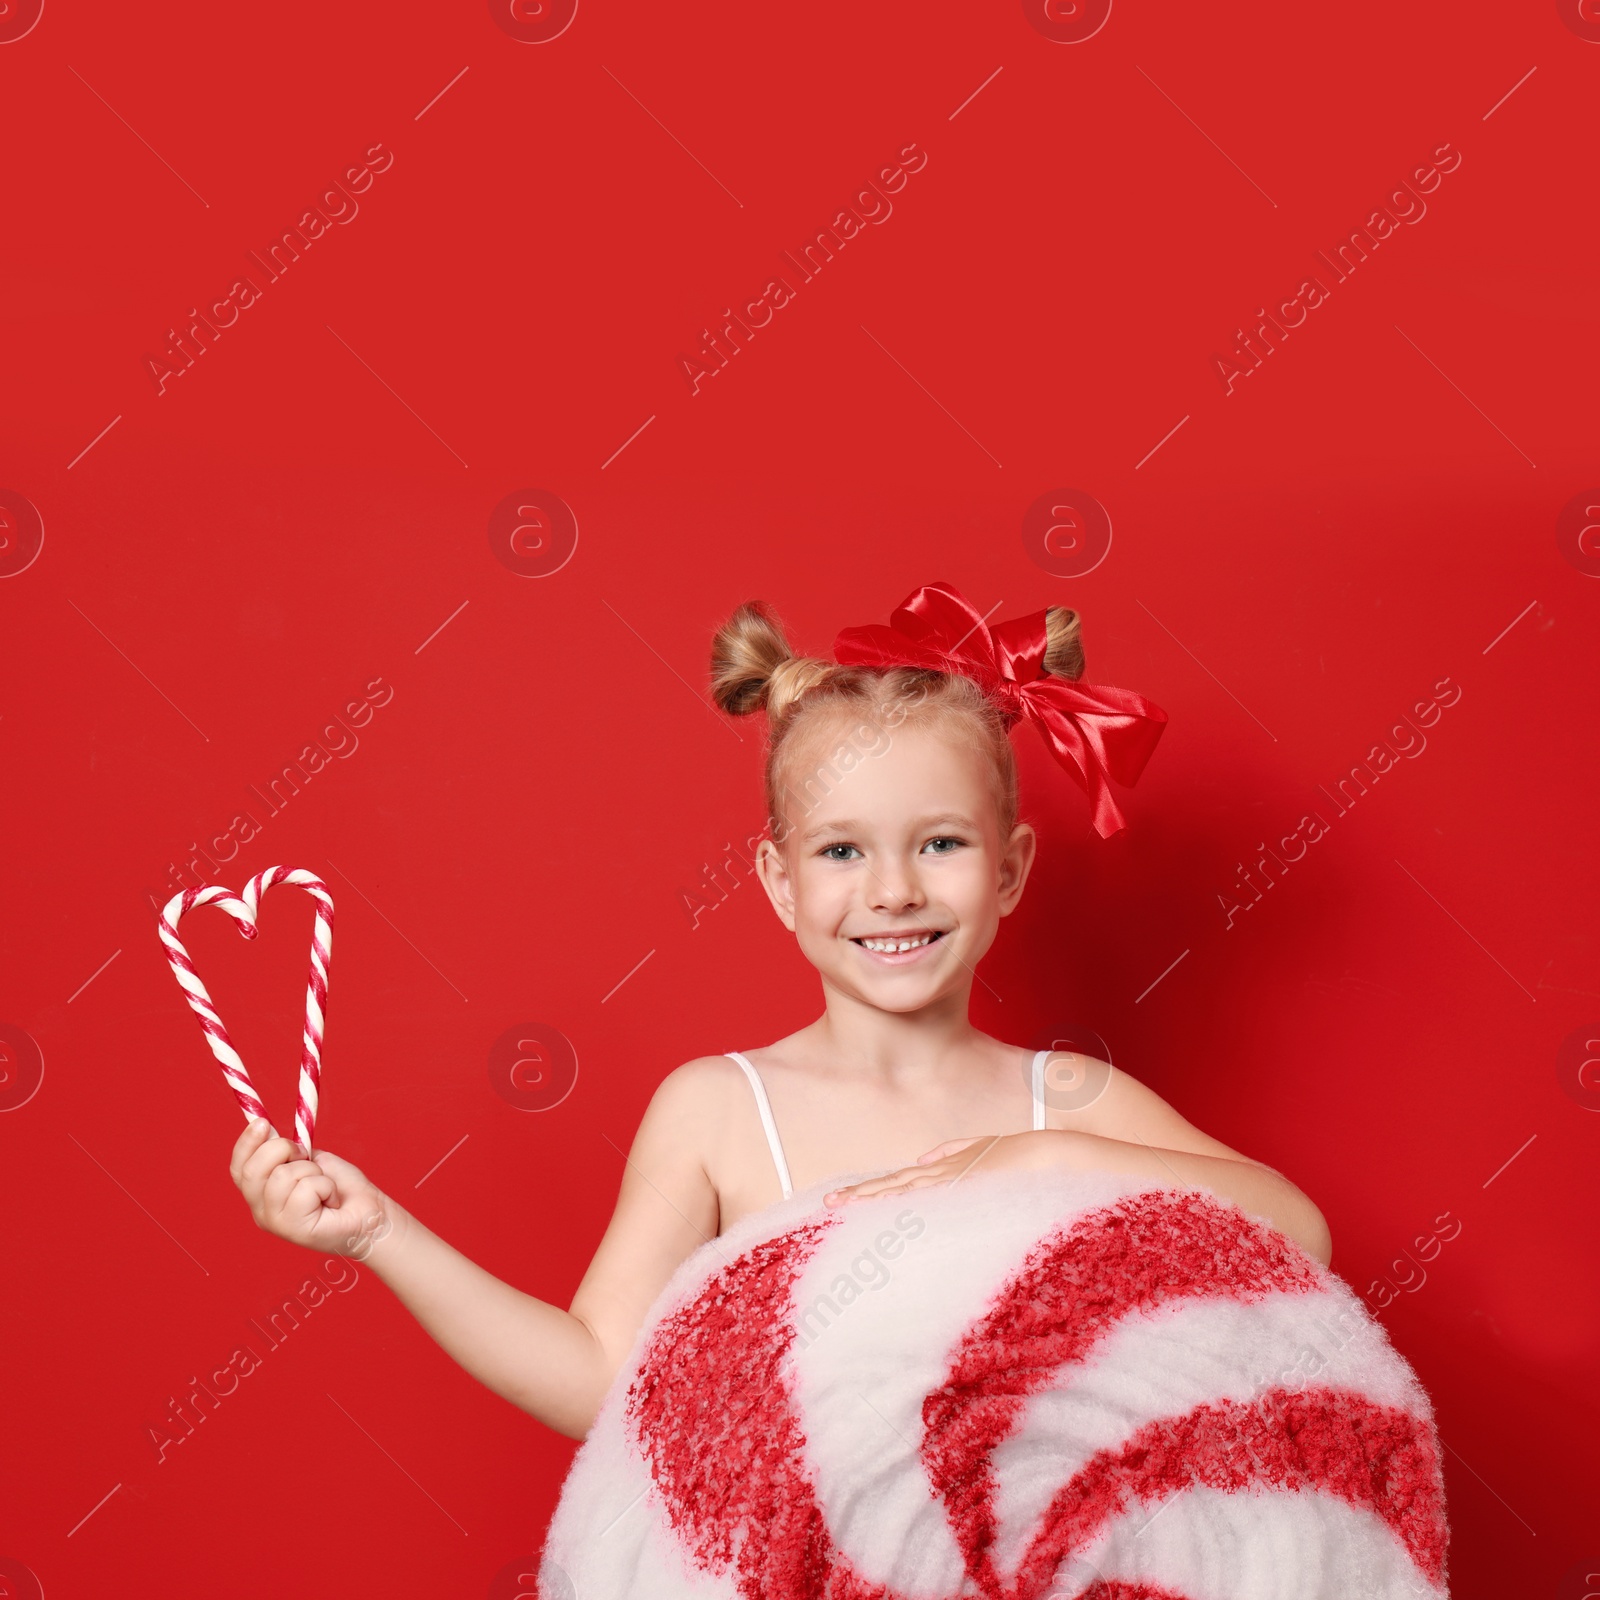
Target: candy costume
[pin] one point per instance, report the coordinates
(1022, 1386)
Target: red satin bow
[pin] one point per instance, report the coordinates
(1093, 730)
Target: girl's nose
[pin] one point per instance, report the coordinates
(895, 886)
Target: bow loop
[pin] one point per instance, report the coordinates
(945, 620)
(1022, 643)
(1094, 731)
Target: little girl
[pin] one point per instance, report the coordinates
(891, 786)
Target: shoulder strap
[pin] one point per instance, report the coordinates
(1038, 1087)
(764, 1106)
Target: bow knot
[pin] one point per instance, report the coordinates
(1094, 731)
(1008, 694)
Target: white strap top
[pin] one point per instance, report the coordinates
(775, 1144)
(764, 1106)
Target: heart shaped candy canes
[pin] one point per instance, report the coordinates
(244, 911)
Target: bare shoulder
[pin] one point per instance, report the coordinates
(705, 1113)
(1116, 1105)
(696, 1094)
(702, 1075)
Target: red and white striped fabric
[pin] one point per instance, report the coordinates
(1066, 1386)
(245, 909)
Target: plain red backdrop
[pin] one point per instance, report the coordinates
(307, 509)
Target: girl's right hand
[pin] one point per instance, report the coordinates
(322, 1201)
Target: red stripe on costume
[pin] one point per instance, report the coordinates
(1075, 1288)
(1377, 1457)
(715, 1420)
(1123, 1589)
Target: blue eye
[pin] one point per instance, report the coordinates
(827, 851)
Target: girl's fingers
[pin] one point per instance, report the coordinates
(972, 1152)
(891, 1183)
(246, 1146)
(280, 1184)
(871, 1186)
(940, 1165)
(338, 1166)
(268, 1154)
(948, 1148)
(941, 1172)
(272, 1192)
(310, 1196)
(286, 1176)
(893, 1186)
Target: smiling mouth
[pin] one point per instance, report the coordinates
(897, 944)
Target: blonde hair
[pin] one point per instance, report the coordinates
(753, 669)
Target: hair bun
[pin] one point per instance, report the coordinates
(1063, 656)
(753, 668)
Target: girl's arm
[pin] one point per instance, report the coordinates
(556, 1365)
(1251, 1184)
(1129, 1128)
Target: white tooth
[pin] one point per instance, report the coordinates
(894, 946)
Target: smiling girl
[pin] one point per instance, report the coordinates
(892, 870)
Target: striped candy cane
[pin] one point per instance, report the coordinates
(245, 912)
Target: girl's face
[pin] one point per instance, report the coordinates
(903, 849)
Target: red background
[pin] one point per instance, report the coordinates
(298, 514)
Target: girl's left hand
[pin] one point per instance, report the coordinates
(946, 1163)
